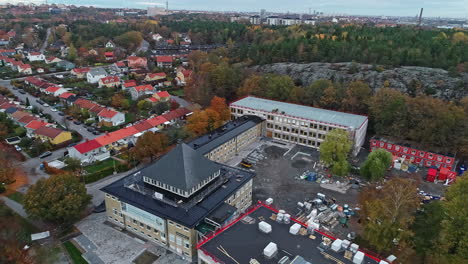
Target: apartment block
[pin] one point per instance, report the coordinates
(299, 124)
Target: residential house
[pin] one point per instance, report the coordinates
(55, 91)
(157, 37)
(68, 97)
(110, 45)
(7, 52)
(94, 75)
(33, 126)
(89, 152)
(158, 121)
(183, 76)
(128, 84)
(109, 55)
(16, 116)
(26, 119)
(92, 52)
(109, 81)
(52, 59)
(33, 81)
(164, 61)
(141, 90)
(80, 73)
(35, 56)
(137, 62)
(25, 69)
(108, 117)
(4, 40)
(162, 96)
(118, 139)
(152, 77)
(54, 135)
(177, 114)
(120, 66)
(65, 65)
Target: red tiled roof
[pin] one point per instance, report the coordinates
(170, 41)
(186, 73)
(52, 89)
(97, 109)
(135, 58)
(84, 103)
(175, 114)
(143, 88)
(163, 94)
(142, 126)
(35, 124)
(7, 105)
(27, 118)
(50, 132)
(66, 95)
(116, 135)
(16, 115)
(35, 53)
(153, 99)
(130, 83)
(81, 70)
(163, 58)
(109, 54)
(158, 74)
(107, 113)
(120, 64)
(157, 120)
(87, 146)
(51, 58)
(110, 79)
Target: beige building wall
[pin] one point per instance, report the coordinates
(227, 150)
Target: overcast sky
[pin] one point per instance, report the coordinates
(444, 8)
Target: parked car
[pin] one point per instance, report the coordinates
(53, 109)
(22, 92)
(46, 104)
(45, 154)
(39, 102)
(95, 132)
(90, 129)
(72, 145)
(76, 122)
(60, 113)
(70, 118)
(18, 148)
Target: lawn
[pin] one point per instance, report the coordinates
(100, 165)
(129, 117)
(17, 197)
(74, 253)
(177, 92)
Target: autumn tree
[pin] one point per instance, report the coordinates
(130, 40)
(357, 97)
(197, 123)
(7, 170)
(253, 85)
(60, 198)
(314, 92)
(334, 151)
(378, 161)
(388, 212)
(219, 105)
(150, 145)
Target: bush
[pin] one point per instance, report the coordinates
(2, 188)
(96, 176)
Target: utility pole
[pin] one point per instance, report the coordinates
(167, 6)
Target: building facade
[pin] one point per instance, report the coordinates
(186, 194)
(300, 124)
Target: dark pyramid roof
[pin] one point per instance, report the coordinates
(183, 168)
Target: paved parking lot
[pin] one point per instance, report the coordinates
(100, 241)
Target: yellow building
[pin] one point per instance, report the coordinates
(54, 135)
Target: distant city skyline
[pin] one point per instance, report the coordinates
(432, 8)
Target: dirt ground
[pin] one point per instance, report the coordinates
(20, 176)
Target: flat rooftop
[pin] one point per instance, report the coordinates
(244, 241)
(199, 208)
(223, 134)
(302, 111)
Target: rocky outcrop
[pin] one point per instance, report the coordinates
(435, 82)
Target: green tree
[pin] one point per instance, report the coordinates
(426, 228)
(74, 165)
(334, 151)
(454, 233)
(27, 102)
(376, 164)
(72, 53)
(60, 198)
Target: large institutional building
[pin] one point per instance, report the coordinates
(303, 125)
(187, 193)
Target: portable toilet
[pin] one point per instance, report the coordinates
(443, 173)
(431, 175)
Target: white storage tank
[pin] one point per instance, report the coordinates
(264, 227)
(294, 229)
(270, 250)
(358, 258)
(336, 245)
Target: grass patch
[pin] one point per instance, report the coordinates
(177, 92)
(74, 253)
(17, 197)
(100, 165)
(130, 118)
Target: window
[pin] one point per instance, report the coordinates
(186, 229)
(142, 225)
(134, 221)
(178, 226)
(179, 241)
(171, 237)
(115, 211)
(148, 227)
(171, 223)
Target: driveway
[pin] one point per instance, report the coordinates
(180, 101)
